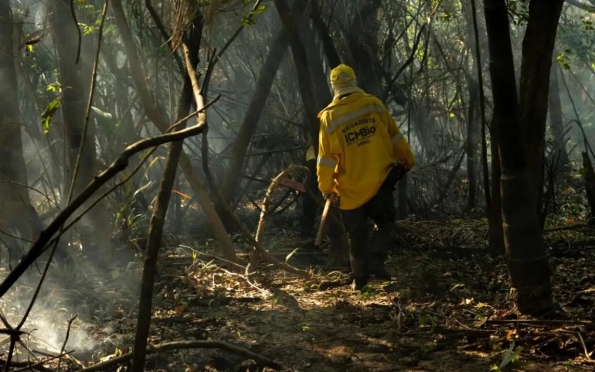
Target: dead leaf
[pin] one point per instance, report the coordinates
(180, 308)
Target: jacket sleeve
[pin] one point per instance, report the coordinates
(326, 163)
(401, 150)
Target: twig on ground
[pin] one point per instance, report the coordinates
(564, 228)
(247, 279)
(543, 322)
(66, 339)
(180, 345)
(587, 353)
(25, 366)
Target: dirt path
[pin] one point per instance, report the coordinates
(436, 314)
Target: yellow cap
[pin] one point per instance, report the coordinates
(342, 74)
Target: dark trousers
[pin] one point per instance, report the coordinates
(382, 211)
(309, 205)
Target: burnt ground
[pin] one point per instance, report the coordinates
(447, 309)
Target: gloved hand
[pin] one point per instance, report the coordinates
(330, 195)
(395, 174)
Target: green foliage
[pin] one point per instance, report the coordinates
(54, 87)
(564, 60)
(587, 24)
(248, 19)
(518, 12)
(512, 355)
(48, 114)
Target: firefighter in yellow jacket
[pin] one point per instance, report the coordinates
(361, 156)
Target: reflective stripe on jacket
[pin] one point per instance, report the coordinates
(359, 143)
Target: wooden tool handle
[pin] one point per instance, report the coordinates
(327, 206)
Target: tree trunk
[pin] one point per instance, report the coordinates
(15, 207)
(471, 140)
(332, 56)
(557, 120)
(193, 41)
(338, 252)
(538, 47)
(288, 18)
(496, 233)
(362, 38)
(473, 119)
(589, 186)
(234, 171)
(75, 78)
(527, 262)
(151, 111)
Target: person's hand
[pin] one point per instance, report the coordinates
(330, 195)
(395, 175)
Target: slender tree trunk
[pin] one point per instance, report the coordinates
(557, 119)
(527, 262)
(193, 41)
(268, 71)
(589, 186)
(538, 47)
(473, 119)
(288, 18)
(362, 38)
(15, 207)
(338, 252)
(137, 73)
(496, 232)
(332, 56)
(471, 140)
(75, 78)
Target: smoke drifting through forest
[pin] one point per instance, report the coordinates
(419, 57)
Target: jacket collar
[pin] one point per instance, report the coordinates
(352, 97)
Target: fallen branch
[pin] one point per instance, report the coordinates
(258, 250)
(544, 322)
(575, 226)
(181, 345)
(27, 365)
(576, 243)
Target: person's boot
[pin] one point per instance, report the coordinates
(377, 268)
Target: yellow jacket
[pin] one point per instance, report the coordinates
(310, 154)
(359, 143)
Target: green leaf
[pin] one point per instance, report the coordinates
(259, 10)
(48, 114)
(247, 21)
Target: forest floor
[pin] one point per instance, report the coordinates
(447, 309)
